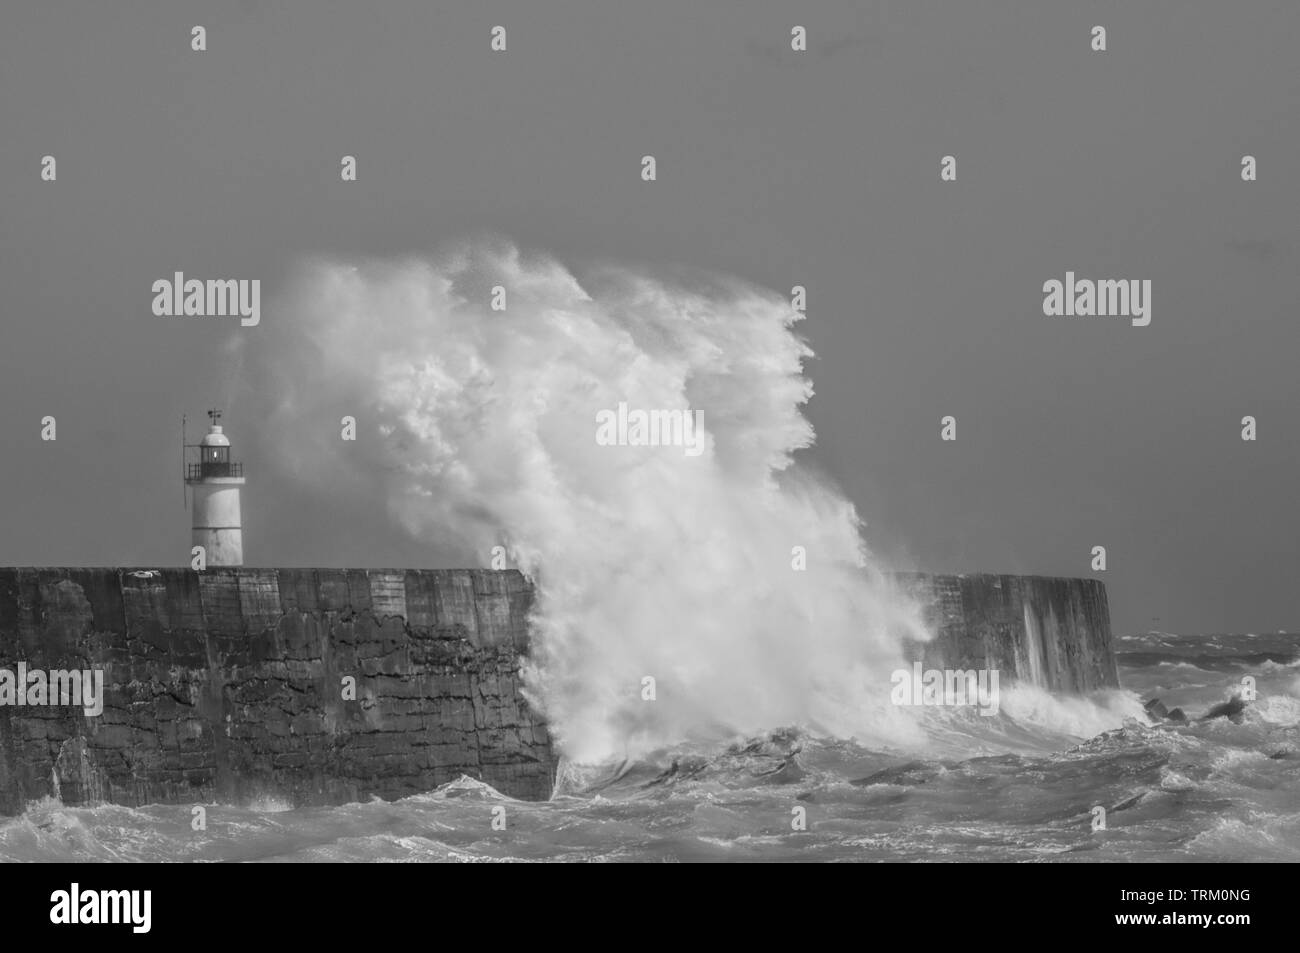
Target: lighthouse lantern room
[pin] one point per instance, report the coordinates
(215, 481)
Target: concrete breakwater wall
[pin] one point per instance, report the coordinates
(233, 684)
(1048, 631)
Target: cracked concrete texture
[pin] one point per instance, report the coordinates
(227, 685)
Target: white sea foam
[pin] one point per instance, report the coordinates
(649, 563)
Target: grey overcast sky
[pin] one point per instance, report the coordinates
(817, 168)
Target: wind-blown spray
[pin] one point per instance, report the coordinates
(650, 562)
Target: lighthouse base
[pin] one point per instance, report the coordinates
(217, 520)
(221, 547)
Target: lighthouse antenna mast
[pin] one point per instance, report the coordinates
(185, 490)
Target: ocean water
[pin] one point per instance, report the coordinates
(1018, 786)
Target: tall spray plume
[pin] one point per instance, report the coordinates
(649, 562)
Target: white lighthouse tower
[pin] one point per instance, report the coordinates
(216, 482)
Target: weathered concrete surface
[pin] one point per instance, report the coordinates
(1047, 631)
(226, 685)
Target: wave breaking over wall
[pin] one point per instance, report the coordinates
(227, 685)
(648, 561)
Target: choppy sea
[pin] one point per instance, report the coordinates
(1019, 786)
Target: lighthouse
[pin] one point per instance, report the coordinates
(216, 481)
